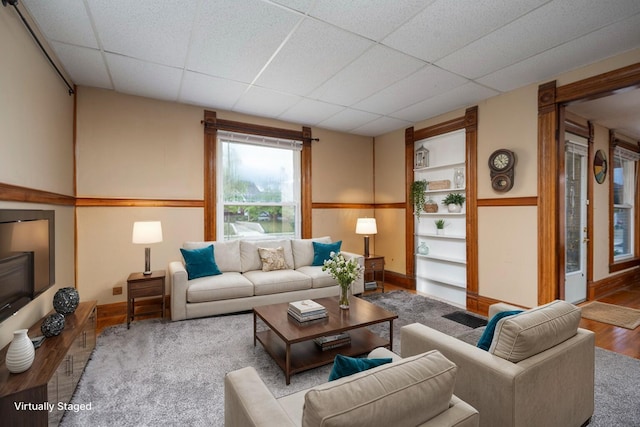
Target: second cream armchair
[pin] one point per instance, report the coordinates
(551, 387)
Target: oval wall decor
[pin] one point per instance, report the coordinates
(600, 166)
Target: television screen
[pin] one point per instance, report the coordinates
(27, 262)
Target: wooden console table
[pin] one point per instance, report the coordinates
(54, 374)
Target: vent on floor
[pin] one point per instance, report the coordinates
(466, 319)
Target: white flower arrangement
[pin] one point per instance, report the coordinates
(345, 272)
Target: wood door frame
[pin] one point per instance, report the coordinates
(468, 122)
(550, 99)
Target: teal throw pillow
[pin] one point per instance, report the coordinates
(344, 365)
(200, 262)
(322, 251)
(487, 336)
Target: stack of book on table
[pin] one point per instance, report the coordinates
(306, 310)
(332, 341)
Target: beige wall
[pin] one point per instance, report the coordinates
(36, 146)
(134, 147)
(507, 236)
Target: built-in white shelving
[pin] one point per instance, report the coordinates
(443, 258)
(442, 271)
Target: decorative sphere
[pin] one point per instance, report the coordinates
(52, 325)
(66, 300)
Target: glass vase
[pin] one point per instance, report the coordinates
(344, 297)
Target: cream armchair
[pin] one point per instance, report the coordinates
(539, 370)
(416, 391)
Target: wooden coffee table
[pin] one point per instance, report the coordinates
(291, 344)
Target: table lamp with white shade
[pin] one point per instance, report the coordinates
(366, 226)
(146, 232)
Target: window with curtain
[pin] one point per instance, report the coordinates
(259, 186)
(624, 175)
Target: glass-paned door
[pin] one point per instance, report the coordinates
(575, 222)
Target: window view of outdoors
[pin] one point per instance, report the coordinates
(622, 207)
(260, 187)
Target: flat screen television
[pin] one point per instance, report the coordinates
(27, 257)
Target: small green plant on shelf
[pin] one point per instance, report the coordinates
(454, 199)
(440, 223)
(418, 196)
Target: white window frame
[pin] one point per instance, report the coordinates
(276, 143)
(629, 161)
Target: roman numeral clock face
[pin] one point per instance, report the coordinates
(501, 166)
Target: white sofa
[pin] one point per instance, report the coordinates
(243, 285)
(417, 391)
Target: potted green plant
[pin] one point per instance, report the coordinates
(440, 223)
(454, 201)
(418, 196)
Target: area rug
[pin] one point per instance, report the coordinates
(616, 315)
(163, 373)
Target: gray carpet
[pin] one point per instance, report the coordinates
(171, 373)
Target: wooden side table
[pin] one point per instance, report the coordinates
(373, 264)
(142, 286)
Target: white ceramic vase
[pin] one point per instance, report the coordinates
(21, 353)
(454, 208)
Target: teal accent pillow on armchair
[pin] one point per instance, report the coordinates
(344, 365)
(322, 251)
(200, 262)
(487, 336)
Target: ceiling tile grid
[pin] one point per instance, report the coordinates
(354, 66)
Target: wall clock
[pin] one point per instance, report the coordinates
(502, 167)
(600, 166)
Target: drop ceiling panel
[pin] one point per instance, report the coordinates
(613, 39)
(299, 5)
(200, 89)
(425, 83)
(460, 97)
(376, 69)
(310, 112)
(358, 16)
(144, 78)
(441, 28)
(525, 37)
(63, 20)
(381, 126)
(161, 29)
(356, 66)
(235, 40)
(314, 53)
(85, 66)
(265, 103)
(348, 119)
